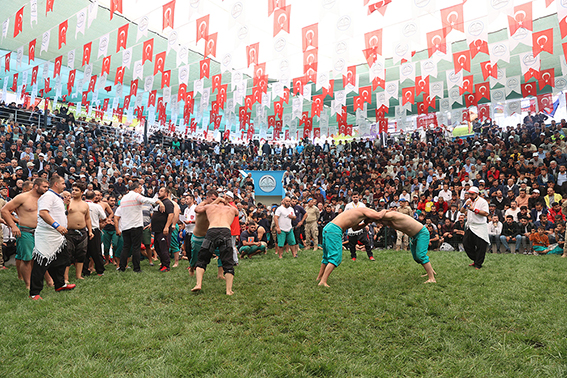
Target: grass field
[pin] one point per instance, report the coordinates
(376, 320)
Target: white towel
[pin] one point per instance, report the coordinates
(48, 244)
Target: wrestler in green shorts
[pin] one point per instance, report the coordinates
(147, 236)
(110, 238)
(286, 236)
(196, 243)
(174, 246)
(25, 244)
(418, 246)
(332, 245)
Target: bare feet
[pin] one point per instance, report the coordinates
(431, 281)
(175, 265)
(191, 271)
(50, 284)
(229, 292)
(221, 277)
(196, 289)
(318, 278)
(323, 284)
(66, 282)
(425, 275)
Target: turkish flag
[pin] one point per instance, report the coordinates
(204, 66)
(159, 64)
(226, 134)
(122, 37)
(92, 84)
(278, 108)
(378, 82)
(350, 77)
(542, 41)
(19, 22)
(531, 74)
(211, 45)
(436, 42)
(34, 75)
(252, 53)
(310, 36)
(221, 97)
(152, 98)
(529, 89)
(115, 6)
(119, 78)
(274, 5)
(57, 66)
(310, 59)
(127, 100)
(62, 33)
(484, 112)
(429, 102)
(365, 94)
(298, 84)
(285, 97)
(482, 90)
(452, 18)
(168, 14)
(462, 61)
(349, 130)
(165, 79)
(181, 92)
(357, 103)
(202, 28)
(478, 46)
(248, 102)
(271, 121)
(259, 73)
(489, 69)
(106, 65)
(84, 98)
(148, 51)
(522, 18)
(217, 122)
(48, 6)
(15, 83)
(105, 104)
(421, 108)
(370, 54)
(304, 117)
(563, 27)
(7, 62)
(216, 82)
(470, 100)
(421, 85)
(408, 95)
(545, 103)
(133, 87)
(87, 53)
(380, 6)
(468, 82)
(281, 19)
(31, 51)
(546, 77)
(71, 80)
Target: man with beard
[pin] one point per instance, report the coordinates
(25, 206)
(476, 238)
(79, 230)
(360, 235)
(94, 250)
(161, 226)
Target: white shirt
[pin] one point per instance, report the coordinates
(189, 215)
(446, 195)
(513, 213)
(284, 222)
(118, 213)
(97, 213)
(53, 203)
(131, 206)
(476, 222)
(352, 205)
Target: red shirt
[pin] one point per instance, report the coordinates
(235, 226)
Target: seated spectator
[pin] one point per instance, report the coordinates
(434, 240)
(538, 211)
(547, 226)
(514, 210)
(447, 233)
(250, 244)
(494, 231)
(510, 233)
(541, 243)
(526, 228)
(555, 213)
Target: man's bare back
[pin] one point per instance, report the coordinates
(220, 215)
(352, 218)
(76, 213)
(400, 222)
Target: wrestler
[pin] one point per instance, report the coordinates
(25, 206)
(220, 216)
(79, 230)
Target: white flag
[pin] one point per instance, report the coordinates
(71, 59)
(93, 11)
(127, 57)
(103, 45)
(513, 107)
(297, 107)
(19, 56)
(454, 79)
(148, 83)
(513, 85)
(138, 70)
(143, 25)
(444, 105)
(392, 89)
(455, 96)
(436, 89)
(498, 95)
(523, 36)
(182, 55)
(183, 74)
(45, 41)
(81, 22)
(499, 51)
(501, 77)
(407, 71)
(529, 61)
(33, 12)
(428, 68)
(5, 26)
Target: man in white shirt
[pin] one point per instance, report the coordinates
(476, 238)
(514, 210)
(189, 220)
(282, 219)
(94, 246)
(360, 235)
(445, 193)
(132, 224)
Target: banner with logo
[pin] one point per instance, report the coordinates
(267, 183)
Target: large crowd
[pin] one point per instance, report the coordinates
(520, 171)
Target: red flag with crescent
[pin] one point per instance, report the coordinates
(31, 51)
(148, 51)
(542, 41)
(281, 19)
(252, 53)
(159, 64)
(202, 28)
(115, 6)
(122, 37)
(436, 42)
(546, 77)
(522, 18)
(310, 37)
(168, 14)
(204, 66)
(63, 33)
(462, 61)
(274, 5)
(211, 45)
(452, 18)
(57, 65)
(19, 22)
(106, 65)
(87, 48)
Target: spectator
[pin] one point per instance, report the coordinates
(494, 232)
(510, 233)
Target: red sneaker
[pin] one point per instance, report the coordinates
(354, 259)
(66, 287)
(164, 269)
(471, 264)
(35, 298)
(372, 258)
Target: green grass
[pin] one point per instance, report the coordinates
(376, 320)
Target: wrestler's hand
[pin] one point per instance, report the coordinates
(278, 230)
(16, 231)
(166, 230)
(62, 230)
(91, 235)
(161, 207)
(118, 232)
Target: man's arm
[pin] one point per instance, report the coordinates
(276, 221)
(168, 223)
(88, 222)
(44, 214)
(116, 223)
(7, 211)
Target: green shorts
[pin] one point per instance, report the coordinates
(174, 246)
(332, 245)
(147, 236)
(25, 244)
(418, 246)
(286, 236)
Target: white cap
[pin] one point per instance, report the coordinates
(230, 194)
(473, 189)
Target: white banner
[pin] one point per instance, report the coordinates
(513, 107)
(45, 41)
(513, 85)
(498, 95)
(127, 57)
(453, 79)
(33, 12)
(71, 59)
(103, 45)
(501, 77)
(407, 72)
(528, 61)
(81, 22)
(143, 25)
(436, 89)
(428, 68)
(93, 11)
(392, 89)
(455, 96)
(499, 51)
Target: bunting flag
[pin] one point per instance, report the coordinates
(19, 22)
(31, 51)
(122, 37)
(87, 53)
(211, 45)
(436, 42)
(204, 67)
(452, 19)
(529, 89)
(62, 33)
(542, 41)
(310, 37)
(462, 61)
(202, 28)
(274, 5)
(252, 53)
(168, 14)
(115, 6)
(408, 95)
(106, 65)
(49, 6)
(282, 19)
(522, 18)
(159, 64)
(57, 66)
(148, 51)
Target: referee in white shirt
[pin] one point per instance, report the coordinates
(357, 236)
(132, 224)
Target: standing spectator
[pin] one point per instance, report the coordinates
(476, 235)
(284, 229)
(298, 222)
(494, 231)
(131, 222)
(94, 250)
(311, 229)
(358, 236)
(510, 232)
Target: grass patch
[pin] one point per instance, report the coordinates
(376, 320)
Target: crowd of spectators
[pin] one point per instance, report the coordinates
(520, 170)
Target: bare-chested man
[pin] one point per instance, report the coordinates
(174, 246)
(220, 216)
(79, 229)
(200, 230)
(359, 218)
(25, 206)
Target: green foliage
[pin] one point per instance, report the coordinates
(377, 320)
